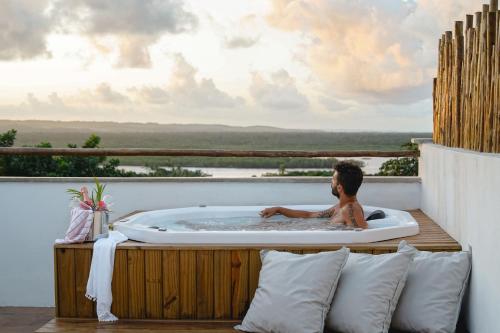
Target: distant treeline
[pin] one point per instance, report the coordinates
(230, 140)
(102, 166)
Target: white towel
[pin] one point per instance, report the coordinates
(101, 274)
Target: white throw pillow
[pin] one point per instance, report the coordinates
(431, 299)
(368, 292)
(295, 291)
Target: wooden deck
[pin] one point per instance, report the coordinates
(194, 282)
(143, 326)
(28, 320)
(23, 319)
(151, 326)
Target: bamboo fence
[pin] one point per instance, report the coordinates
(466, 92)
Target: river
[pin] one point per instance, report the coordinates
(372, 165)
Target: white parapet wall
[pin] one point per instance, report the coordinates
(34, 212)
(461, 192)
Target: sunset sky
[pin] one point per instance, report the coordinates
(318, 64)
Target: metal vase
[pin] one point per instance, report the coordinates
(99, 225)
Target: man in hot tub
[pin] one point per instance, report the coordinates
(346, 180)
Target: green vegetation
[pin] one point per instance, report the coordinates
(309, 173)
(279, 140)
(175, 171)
(235, 162)
(72, 166)
(405, 166)
(298, 140)
(232, 140)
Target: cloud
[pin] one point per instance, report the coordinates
(185, 91)
(279, 93)
(416, 110)
(184, 97)
(145, 17)
(374, 50)
(134, 52)
(238, 32)
(151, 95)
(136, 24)
(183, 94)
(24, 25)
(332, 104)
(240, 42)
(102, 95)
(189, 92)
(94, 105)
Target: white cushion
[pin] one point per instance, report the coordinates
(368, 292)
(430, 301)
(294, 292)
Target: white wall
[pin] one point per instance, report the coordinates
(461, 192)
(34, 212)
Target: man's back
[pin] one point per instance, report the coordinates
(350, 214)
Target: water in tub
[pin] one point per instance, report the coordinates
(249, 223)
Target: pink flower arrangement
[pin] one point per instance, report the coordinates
(96, 201)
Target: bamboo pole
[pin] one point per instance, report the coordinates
(474, 129)
(496, 109)
(458, 53)
(481, 88)
(488, 110)
(466, 82)
(493, 5)
(449, 59)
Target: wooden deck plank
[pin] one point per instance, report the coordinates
(66, 283)
(254, 266)
(204, 284)
(119, 285)
(431, 237)
(187, 284)
(136, 285)
(170, 268)
(84, 306)
(153, 276)
(222, 284)
(239, 283)
(309, 251)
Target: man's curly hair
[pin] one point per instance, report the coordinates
(349, 176)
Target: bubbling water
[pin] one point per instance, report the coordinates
(252, 223)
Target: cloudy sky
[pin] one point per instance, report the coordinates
(315, 64)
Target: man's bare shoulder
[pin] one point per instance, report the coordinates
(353, 215)
(354, 206)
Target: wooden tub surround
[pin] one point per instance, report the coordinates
(194, 282)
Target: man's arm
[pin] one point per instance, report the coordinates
(268, 212)
(354, 217)
(324, 213)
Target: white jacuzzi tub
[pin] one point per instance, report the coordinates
(170, 226)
